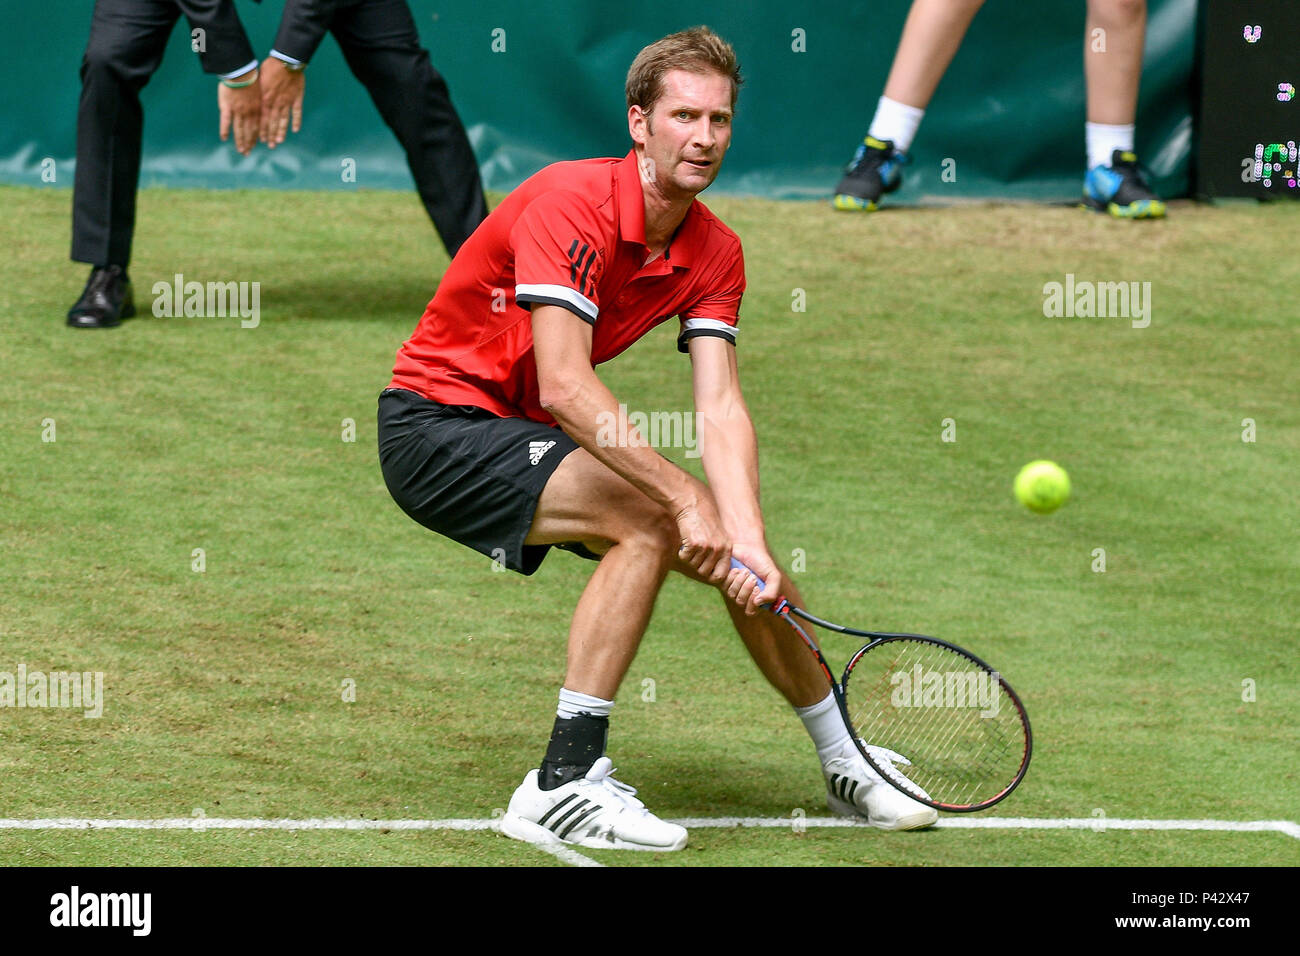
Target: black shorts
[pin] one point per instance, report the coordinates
(470, 475)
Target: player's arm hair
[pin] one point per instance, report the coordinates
(728, 443)
(570, 391)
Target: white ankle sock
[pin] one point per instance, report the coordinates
(1104, 139)
(572, 703)
(825, 726)
(896, 121)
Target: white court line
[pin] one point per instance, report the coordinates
(226, 823)
(1102, 824)
(199, 824)
(567, 854)
(1099, 824)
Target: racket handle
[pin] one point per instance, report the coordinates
(776, 607)
(737, 564)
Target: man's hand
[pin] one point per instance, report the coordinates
(705, 544)
(282, 91)
(242, 110)
(743, 589)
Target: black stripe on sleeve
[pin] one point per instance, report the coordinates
(582, 285)
(573, 265)
(685, 337)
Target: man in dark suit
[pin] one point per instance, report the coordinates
(382, 48)
(127, 40)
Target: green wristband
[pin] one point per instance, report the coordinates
(257, 72)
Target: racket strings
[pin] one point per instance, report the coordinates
(952, 718)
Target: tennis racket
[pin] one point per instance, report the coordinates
(953, 723)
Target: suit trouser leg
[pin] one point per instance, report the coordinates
(126, 45)
(382, 48)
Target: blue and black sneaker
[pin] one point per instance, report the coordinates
(876, 169)
(1121, 189)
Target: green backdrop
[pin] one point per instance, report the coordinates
(1010, 112)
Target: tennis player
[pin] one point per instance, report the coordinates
(489, 434)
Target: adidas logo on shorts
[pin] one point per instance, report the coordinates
(536, 449)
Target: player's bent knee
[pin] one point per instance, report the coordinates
(637, 517)
(656, 536)
(645, 539)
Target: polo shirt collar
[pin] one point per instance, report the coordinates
(631, 201)
(631, 215)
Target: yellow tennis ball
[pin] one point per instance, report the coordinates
(1042, 486)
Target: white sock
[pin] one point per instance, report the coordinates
(1104, 139)
(825, 726)
(896, 121)
(572, 704)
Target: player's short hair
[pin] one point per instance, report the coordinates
(697, 50)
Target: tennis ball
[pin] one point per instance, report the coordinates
(1042, 486)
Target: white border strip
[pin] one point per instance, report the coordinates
(571, 296)
(714, 325)
(199, 824)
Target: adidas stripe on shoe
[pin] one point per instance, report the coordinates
(595, 811)
(854, 789)
(842, 787)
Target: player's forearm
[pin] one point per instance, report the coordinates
(729, 452)
(583, 406)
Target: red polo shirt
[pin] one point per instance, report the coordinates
(573, 235)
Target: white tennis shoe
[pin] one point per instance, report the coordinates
(855, 789)
(596, 811)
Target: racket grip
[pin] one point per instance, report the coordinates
(777, 606)
(737, 564)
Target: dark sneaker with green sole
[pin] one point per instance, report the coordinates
(1121, 189)
(876, 169)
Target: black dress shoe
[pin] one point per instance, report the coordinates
(105, 302)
